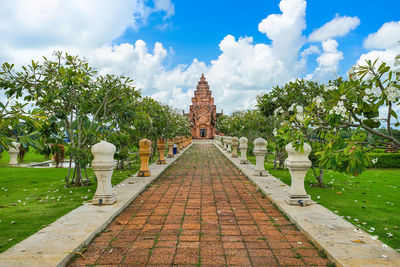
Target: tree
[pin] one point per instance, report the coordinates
(285, 106)
(340, 118)
(67, 90)
(17, 123)
(248, 123)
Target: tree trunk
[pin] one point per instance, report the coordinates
(320, 177)
(78, 177)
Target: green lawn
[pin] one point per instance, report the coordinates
(31, 156)
(370, 201)
(31, 198)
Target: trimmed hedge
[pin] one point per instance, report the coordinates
(385, 160)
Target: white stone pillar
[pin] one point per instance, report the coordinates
(103, 166)
(298, 164)
(260, 151)
(225, 144)
(229, 148)
(14, 151)
(243, 150)
(235, 143)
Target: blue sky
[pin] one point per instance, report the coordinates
(243, 47)
(197, 28)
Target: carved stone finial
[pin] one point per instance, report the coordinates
(260, 151)
(243, 150)
(298, 164)
(144, 153)
(160, 147)
(103, 166)
(14, 151)
(235, 143)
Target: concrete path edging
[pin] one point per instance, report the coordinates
(327, 230)
(54, 245)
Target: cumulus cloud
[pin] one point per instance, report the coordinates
(242, 70)
(388, 36)
(385, 44)
(166, 6)
(312, 49)
(386, 56)
(328, 61)
(25, 23)
(285, 30)
(147, 69)
(337, 27)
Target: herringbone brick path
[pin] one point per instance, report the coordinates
(202, 211)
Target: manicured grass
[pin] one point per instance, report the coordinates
(370, 201)
(30, 156)
(31, 198)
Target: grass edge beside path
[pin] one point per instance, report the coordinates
(31, 198)
(370, 202)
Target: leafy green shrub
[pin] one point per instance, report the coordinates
(385, 160)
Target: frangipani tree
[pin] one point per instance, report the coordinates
(285, 106)
(18, 122)
(248, 123)
(339, 116)
(68, 90)
(366, 104)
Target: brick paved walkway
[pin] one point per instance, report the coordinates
(202, 212)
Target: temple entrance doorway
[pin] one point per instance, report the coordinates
(202, 132)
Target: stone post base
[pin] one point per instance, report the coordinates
(244, 161)
(144, 174)
(161, 161)
(297, 200)
(104, 199)
(170, 156)
(234, 156)
(261, 173)
(13, 158)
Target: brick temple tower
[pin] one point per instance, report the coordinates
(202, 113)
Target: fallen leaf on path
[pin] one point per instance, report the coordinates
(358, 241)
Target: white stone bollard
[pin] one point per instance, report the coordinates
(14, 151)
(235, 143)
(298, 165)
(225, 144)
(243, 150)
(103, 166)
(229, 148)
(260, 151)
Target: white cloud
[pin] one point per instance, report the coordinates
(386, 56)
(337, 27)
(388, 36)
(166, 6)
(312, 49)
(386, 40)
(33, 24)
(241, 72)
(285, 30)
(243, 69)
(328, 61)
(147, 70)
